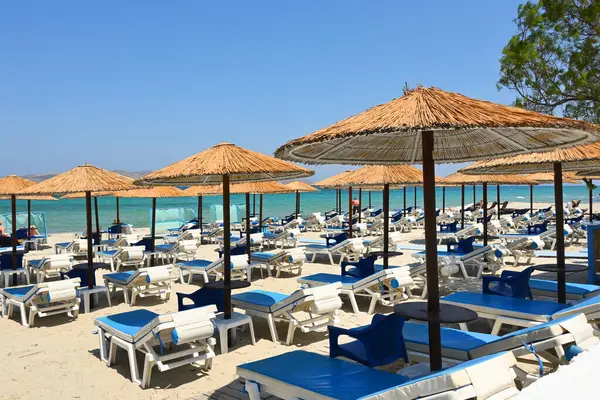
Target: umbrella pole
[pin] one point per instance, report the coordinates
(485, 199)
(254, 204)
(498, 200)
(350, 212)
(90, 250)
(591, 203)
(360, 205)
(297, 204)
(415, 197)
(386, 223)
(260, 212)
(560, 233)
(97, 236)
(404, 193)
(337, 208)
(248, 226)
(474, 194)
(226, 248)
(29, 217)
(462, 206)
(13, 209)
(340, 199)
(117, 206)
(369, 199)
(200, 213)
(531, 199)
(433, 297)
(443, 199)
(153, 231)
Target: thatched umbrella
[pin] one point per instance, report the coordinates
(377, 175)
(225, 163)
(588, 177)
(29, 199)
(158, 192)
(11, 185)
(484, 180)
(547, 177)
(332, 183)
(199, 191)
(429, 125)
(85, 178)
(300, 187)
(575, 158)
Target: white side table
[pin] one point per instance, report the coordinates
(84, 294)
(223, 325)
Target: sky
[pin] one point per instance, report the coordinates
(139, 84)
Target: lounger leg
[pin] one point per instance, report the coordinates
(374, 299)
(291, 330)
(133, 368)
(102, 345)
(32, 313)
(463, 327)
(251, 325)
(272, 328)
(353, 302)
(149, 362)
(331, 259)
(496, 327)
(23, 311)
(223, 341)
(126, 295)
(252, 390)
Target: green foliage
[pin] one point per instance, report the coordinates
(553, 61)
(590, 185)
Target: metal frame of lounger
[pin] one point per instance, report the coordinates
(573, 331)
(44, 268)
(139, 285)
(160, 327)
(462, 385)
(241, 269)
(309, 300)
(378, 288)
(290, 260)
(502, 316)
(36, 300)
(330, 251)
(61, 248)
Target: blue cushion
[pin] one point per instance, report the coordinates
(584, 303)
(164, 247)
(129, 322)
(35, 263)
(578, 289)
(331, 278)
(536, 307)
(260, 297)
(451, 338)
(108, 253)
(195, 263)
(18, 292)
(326, 376)
(315, 246)
(120, 277)
(262, 254)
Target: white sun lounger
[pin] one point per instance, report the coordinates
(521, 312)
(240, 268)
(130, 256)
(144, 282)
(318, 377)
(321, 304)
(490, 257)
(289, 260)
(467, 232)
(168, 341)
(574, 290)
(44, 299)
(77, 247)
(50, 267)
(285, 238)
(349, 249)
(388, 287)
(459, 345)
(184, 249)
(523, 247)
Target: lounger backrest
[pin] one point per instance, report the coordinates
(356, 245)
(58, 262)
(256, 238)
(158, 274)
(131, 254)
(326, 298)
(191, 234)
(239, 261)
(186, 246)
(57, 291)
(588, 306)
(192, 325)
(296, 255)
(80, 245)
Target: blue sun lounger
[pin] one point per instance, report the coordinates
(575, 291)
(521, 312)
(151, 281)
(304, 375)
(150, 333)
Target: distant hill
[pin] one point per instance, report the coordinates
(48, 175)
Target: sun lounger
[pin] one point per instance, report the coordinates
(289, 260)
(574, 290)
(211, 236)
(349, 249)
(240, 268)
(43, 299)
(182, 250)
(523, 247)
(521, 312)
(321, 304)
(285, 238)
(568, 254)
(567, 336)
(168, 341)
(324, 378)
(77, 247)
(488, 257)
(467, 232)
(144, 282)
(50, 267)
(190, 234)
(387, 287)
(131, 256)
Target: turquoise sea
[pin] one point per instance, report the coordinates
(69, 215)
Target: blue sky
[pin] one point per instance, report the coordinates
(139, 84)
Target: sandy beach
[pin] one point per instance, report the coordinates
(58, 358)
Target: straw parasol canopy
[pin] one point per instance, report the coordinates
(81, 195)
(14, 184)
(548, 177)
(511, 179)
(157, 192)
(300, 186)
(269, 187)
(204, 190)
(377, 175)
(587, 174)
(31, 197)
(209, 166)
(84, 178)
(467, 130)
(333, 182)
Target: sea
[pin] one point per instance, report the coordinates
(68, 215)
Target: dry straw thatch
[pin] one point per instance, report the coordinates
(548, 177)
(81, 179)
(593, 174)
(269, 187)
(203, 190)
(572, 159)
(510, 179)
(31, 197)
(301, 187)
(377, 175)
(209, 166)
(81, 195)
(466, 130)
(14, 184)
(333, 182)
(158, 192)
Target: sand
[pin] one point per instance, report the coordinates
(58, 358)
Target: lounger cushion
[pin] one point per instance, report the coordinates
(314, 246)
(17, 293)
(535, 310)
(108, 253)
(121, 278)
(259, 300)
(200, 264)
(130, 326)
(164, 247)
(588, 306)
(35, 263)
(266, 255)
(323, 278)
(575, 289)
